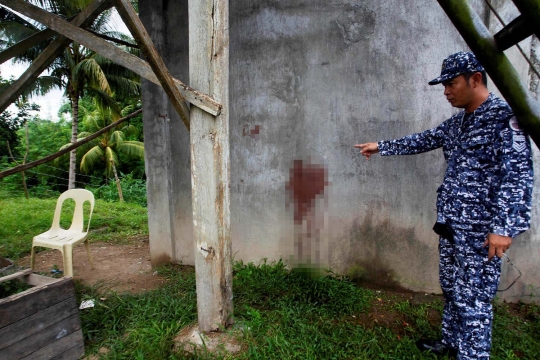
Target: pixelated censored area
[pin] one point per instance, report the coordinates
(307, 202)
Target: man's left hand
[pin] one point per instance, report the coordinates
(498, 245)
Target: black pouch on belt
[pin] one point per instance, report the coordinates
(443, 230)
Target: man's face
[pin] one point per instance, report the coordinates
(458, 92)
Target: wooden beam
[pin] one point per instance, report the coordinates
(85, 18)
(51, 157)
(210, 171)
(133, 23)
(42, 35)
(28, 42)
(512, 34)
(530, 9)
(16, 275)
(110, 51)
(25, 44)
(497, 65)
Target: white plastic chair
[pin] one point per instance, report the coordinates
(64, 240)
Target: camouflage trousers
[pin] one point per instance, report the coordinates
(469, 283)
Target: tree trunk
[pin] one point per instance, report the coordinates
(16, 162)
(24, 161)
(74, 133)
(118, 186)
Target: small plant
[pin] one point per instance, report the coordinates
(12, 287)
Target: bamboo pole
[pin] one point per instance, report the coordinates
(51, 157)
(497, 65)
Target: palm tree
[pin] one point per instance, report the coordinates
(105, 150)
(78, 70)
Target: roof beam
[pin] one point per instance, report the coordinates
(84, 18)
(497, 65)
(133, 23)
(110, 51)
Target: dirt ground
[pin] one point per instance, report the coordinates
(123, 268)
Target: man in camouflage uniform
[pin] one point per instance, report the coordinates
(483, 202)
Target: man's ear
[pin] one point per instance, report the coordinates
(476, 79)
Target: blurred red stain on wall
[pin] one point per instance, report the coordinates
(306, 183)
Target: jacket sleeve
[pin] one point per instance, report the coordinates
(414, 144)
(512, 212)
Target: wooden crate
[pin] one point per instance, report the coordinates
(42, 322)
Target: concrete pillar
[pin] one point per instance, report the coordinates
(166, 138)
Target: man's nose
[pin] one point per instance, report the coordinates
(446, 90)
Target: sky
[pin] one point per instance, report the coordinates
(50, 103)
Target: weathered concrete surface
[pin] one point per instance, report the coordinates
(166, 139)
(308, 79)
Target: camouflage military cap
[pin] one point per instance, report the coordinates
(457, 64)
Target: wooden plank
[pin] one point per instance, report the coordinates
(111, 52)
(19, 306)
(48, 158)
(31, 325)
(16, 275)
(136, 28)
(75, 352)
(48, 342)
(84, 18)
(210, 172)
(38, 280)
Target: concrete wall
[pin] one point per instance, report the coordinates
(308, 80)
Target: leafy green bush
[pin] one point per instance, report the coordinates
(133, 190)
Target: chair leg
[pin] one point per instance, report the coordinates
(87, 245)
(32, 256)
(68, 260)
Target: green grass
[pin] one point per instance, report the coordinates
(280, 314)
(22, 219)
(285, 315)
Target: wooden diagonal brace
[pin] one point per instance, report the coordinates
(84, 18)
(24, 44)
(530, 9)
(110, 51)
(133, 23)
(28, 43)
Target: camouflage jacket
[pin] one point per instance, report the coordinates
(488, 182)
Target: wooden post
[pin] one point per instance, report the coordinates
(209, 72)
